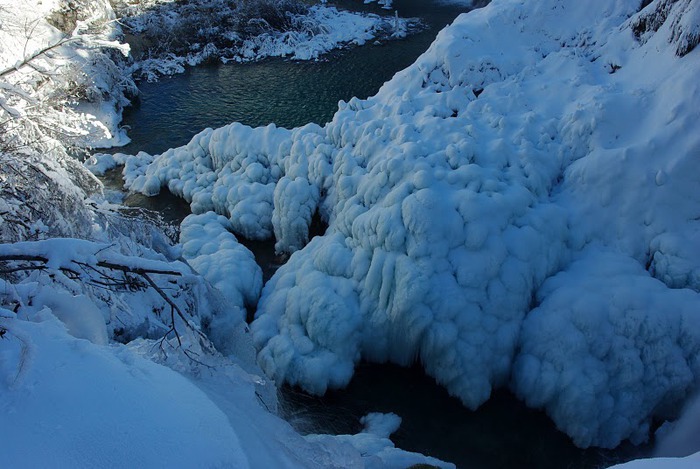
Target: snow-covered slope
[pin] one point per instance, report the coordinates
(68, 402)
(518, 208)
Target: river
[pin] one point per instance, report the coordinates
(503, 433)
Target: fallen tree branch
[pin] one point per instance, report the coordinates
(103, 280)
(105, 264)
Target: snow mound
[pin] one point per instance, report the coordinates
(380, 424)
(374, 444)
(214, 253)
(525, 134)
(232, 170)
(67, 402)
(689, 462)
(608, 347)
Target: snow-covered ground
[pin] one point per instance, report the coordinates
(518, 208)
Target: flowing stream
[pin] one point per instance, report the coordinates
(503, 433)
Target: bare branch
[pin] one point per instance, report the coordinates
(92, 275)
(35, 55)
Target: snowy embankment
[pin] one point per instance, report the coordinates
(518, 208)
(114, 351)
(171, 35)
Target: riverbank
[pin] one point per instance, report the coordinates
(168, 36)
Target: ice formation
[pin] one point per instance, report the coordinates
(607, 347)
(536, 166)
(214, 252)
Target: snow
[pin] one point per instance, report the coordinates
(339, 28)
(518, 208)
(523, 190)
(680, 438)
(214, 252)
(70, 396)
(607, 346)
(374, 442)
(99, 163)
(76, 63)
(114, 351)
(69, 403)
(379, 424)
(689, 462)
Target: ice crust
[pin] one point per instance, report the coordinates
(520, 199)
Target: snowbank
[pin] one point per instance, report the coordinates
(69, 403)
(374, 442)
(71, 396)
(246, 31)
(532, 141)
(689, 462)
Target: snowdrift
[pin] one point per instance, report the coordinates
(518, 208)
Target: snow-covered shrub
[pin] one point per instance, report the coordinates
(39, 198)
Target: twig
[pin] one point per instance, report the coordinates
(108, 282)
